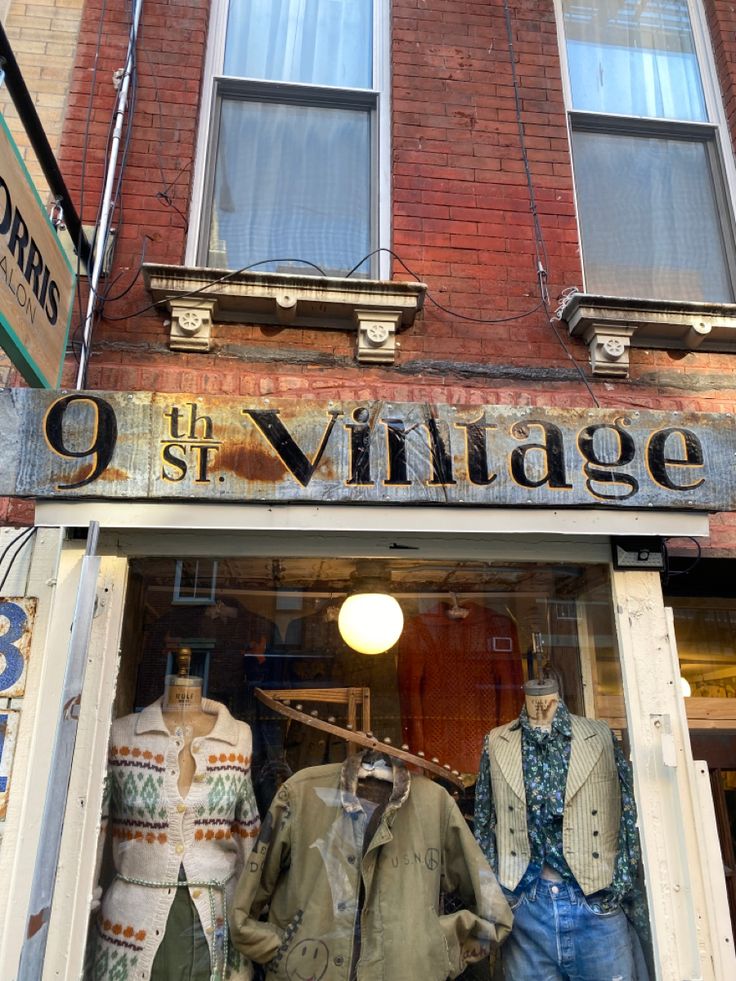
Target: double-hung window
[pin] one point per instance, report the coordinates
(649, 151)
(292, 147)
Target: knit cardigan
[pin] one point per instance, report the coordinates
(155, 832)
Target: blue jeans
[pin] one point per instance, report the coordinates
(559, 935)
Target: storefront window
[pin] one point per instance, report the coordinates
(242, 786)
(706, 641)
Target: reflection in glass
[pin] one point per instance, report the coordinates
(706, 642)
(649, 218)
(291, 182)
(190, 780)
(322, 42)
(633, 59)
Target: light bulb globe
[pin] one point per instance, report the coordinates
(370, 623)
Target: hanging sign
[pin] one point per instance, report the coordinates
(36, 279)
(148, 446)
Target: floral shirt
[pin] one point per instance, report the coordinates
(545, 761)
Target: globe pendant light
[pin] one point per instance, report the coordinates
(370, 620)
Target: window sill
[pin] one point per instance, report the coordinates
(376, 310)
(611, 325)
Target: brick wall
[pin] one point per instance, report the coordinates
(461, 218)
(44, 38)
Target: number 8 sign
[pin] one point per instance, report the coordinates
(16, 628)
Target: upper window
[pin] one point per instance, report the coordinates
(649, 172)
(293, 149)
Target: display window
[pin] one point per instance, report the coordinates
(338, 768)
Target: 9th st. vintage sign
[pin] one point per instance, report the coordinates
(147, 446)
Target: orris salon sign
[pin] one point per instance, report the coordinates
(147, 446)
(36, 280)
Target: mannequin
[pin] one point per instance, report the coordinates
(182, 816)
(350, 872)
(555, 817)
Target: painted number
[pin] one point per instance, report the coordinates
(11, 659)
(102, 442)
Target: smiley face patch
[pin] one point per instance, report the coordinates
(307, 961)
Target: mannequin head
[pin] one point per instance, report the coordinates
(541, 699)
(182, 691)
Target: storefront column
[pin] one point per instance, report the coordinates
(683, 879)
(77, 872)
(53, 579)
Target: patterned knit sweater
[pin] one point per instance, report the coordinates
(155, 833)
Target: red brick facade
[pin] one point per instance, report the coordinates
(461, 219)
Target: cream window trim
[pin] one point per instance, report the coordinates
(611, 325)
(375, 310)
(559, 525)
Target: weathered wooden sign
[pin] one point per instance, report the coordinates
(36, 280)
(149, 446)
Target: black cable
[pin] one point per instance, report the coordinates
(29, 533)
(201, 289)
(453, 313)
(669, 574)
(134, 280)
(569, 354)
(539, 242)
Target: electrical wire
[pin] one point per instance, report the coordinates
(453, 313)
(668, 573)
(28, 533)
(540, 246)
(207, 286)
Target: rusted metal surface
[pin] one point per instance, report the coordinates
(17, 615)
(148, 446)
(9, 720)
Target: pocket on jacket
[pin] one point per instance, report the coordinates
(440, 949)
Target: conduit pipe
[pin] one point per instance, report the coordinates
(103, 227)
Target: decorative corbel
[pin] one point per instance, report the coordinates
(377, 335)
(191, 324)
(609, 349)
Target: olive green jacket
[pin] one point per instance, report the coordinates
(323, 890)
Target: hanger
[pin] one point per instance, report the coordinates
(366, 739)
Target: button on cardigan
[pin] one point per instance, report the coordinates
(155, 833)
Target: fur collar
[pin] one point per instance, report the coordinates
(349, 785)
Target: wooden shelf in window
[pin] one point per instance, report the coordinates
(702, 713)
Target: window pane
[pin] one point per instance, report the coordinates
(204, 746)
(322, 42)
(291, 182)
(648, 218)
(633, 58)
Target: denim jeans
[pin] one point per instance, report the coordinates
(559, 935)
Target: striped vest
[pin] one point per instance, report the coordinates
(592, 814)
